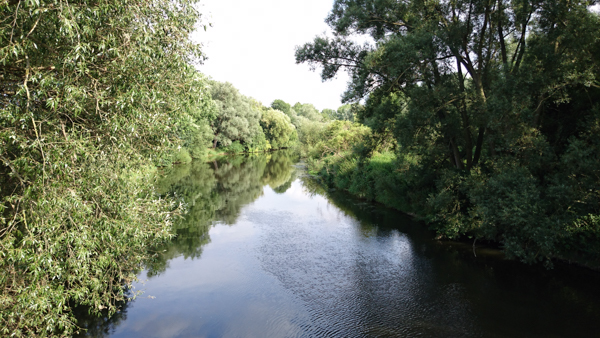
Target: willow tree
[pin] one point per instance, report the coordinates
(237, 116)
(92, 95)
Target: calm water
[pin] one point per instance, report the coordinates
(266, 252)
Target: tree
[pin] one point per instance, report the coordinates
(422, 50)
(237, 117)
(328, 114)
(476, 91)
(308, 111)
(345, 112)
(278, 128)
(92, 96)
(282, 106)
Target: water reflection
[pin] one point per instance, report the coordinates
(211, 193)
(215, 192)
(264, 251)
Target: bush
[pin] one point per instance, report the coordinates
(234, 148)
(182, 156)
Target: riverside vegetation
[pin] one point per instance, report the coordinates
(94, 97)
(481, 118)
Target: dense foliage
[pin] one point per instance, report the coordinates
(278, 128)
(93, 95)
(237, 116)
(491, 110)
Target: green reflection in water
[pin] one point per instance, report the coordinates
(487, 294)
(216, 192)
(210, 192)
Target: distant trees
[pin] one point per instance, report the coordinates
(241, 123)
(278, 128)
(237, 117)
(345, 113)
(328, 114)
(308, 111)
(282, 106)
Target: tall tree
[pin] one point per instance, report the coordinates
(278, 128)
(447, 57)
(237, 117)
(282, 106)
(508, 88)
(92, 94)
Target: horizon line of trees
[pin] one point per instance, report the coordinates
(238, 123)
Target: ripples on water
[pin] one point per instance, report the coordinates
(266, 252)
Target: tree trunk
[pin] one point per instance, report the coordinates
(465, 119)
(215, 141)
(501, 35)
(478, 146)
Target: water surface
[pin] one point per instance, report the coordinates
(264, 251)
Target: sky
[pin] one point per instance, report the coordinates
(251, 44)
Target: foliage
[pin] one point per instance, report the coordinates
(194, 129)
(308, 111)
(489, 107)
(345, 112)
(259, 143)
(328, 114)
(282, 106)
(341, 136)
(92, 95)
(181, 156)
(234, 148)
(237, 117)
(310, 132)
(278, 129)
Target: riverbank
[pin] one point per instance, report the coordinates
(267, 251)
(383, 178)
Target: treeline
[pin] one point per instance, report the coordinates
(481, 117)
(241, 124)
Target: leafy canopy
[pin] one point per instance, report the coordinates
(93, 94)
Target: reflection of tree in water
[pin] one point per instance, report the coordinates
(278, 170)
(211, 192)
(215, 192)
(98, 327)
(278, 173)
(239, 184)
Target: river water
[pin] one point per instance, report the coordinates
(264, 251)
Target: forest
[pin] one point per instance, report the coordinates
(480, 118)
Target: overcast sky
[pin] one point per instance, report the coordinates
(251, 44)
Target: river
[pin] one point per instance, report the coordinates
(264, 251)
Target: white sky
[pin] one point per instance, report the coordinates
(251, 44)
